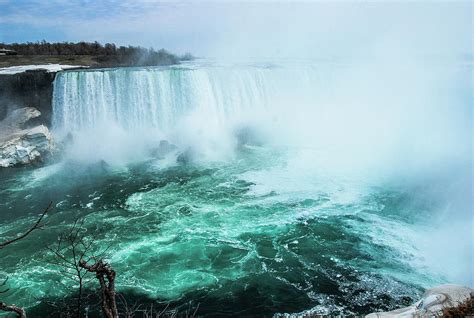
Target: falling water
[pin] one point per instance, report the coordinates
(158, 98)
(339, 202)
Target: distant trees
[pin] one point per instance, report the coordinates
(108, 54)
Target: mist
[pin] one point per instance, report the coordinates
(313, 156)
(355, 90)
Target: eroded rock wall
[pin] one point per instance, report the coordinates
(27, 89)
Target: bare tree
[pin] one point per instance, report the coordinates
(106, 276)
(72, 248)
(37, 225)
(76, 257)
(10, 308)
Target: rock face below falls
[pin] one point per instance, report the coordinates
(20, 144)
(27, 89)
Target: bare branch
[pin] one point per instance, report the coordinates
(104, 272)
(35, 226)
(3, 284)
(12, 308)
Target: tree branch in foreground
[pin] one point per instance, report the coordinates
(37, 225)
(12, 308)
(104, 272)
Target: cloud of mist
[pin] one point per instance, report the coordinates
(401, 106)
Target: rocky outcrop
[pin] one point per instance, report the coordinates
(21, 144)
(433, 302)
(29, 85)
(26, 89)
(17, 119)
(163, 149)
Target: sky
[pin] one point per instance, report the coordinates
(282, 29)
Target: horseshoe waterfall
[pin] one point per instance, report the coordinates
(285, 186)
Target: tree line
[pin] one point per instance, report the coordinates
(109, 52)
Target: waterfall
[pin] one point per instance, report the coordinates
(350, 109)
(190, 105)
(156, 98)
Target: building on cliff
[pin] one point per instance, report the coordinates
(7, 52)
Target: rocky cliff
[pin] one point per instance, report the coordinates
(25, 113)
(27, 89)
(21, 143)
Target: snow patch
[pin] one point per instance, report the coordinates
(47, 67)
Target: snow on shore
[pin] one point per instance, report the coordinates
(48, 67)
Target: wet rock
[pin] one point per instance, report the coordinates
(186, 156)
(26, 147)
(433, 302)
(27, 89)
(21, 146)
(164, 148)
(185, 210)
(249, 136)
(16, 119)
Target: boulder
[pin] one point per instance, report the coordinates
(20, 116)
(15, 121)
(433, 302)
(21, 146)
(186, 157)
(164, 148)
(27, 89)
(250, 136)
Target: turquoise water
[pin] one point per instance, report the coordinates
(300, 192)
(215, 235)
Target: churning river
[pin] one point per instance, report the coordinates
(280, 187)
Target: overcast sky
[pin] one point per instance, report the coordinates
(248, 29)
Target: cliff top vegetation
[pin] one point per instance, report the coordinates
(92, 54)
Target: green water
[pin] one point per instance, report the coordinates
(246, 237)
